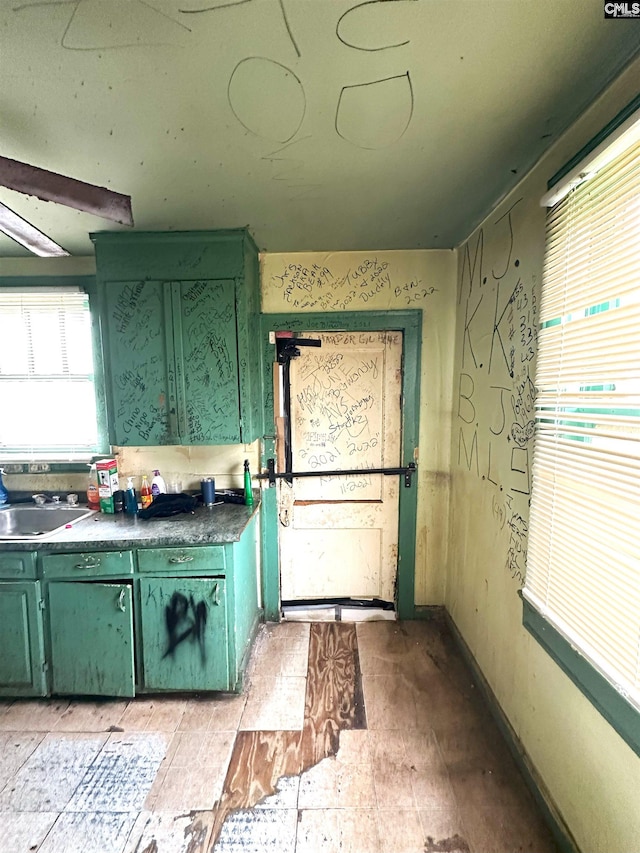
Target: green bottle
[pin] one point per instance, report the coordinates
(248, 492)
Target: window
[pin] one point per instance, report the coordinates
(582, 589)
(47, 389)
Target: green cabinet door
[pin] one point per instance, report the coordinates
(206, 355)
(138, 342)
(22, 658)
(91, 638)
(184, 633)
(172, 362)
(180, 322)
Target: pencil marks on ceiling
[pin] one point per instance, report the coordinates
(124, 24)
(385, 23)
(376, 114)
(291, 170)
(226, 4)
(267, 98)
(286, 23)
(198, 8)
(269, 94)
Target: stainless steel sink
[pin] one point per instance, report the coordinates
(34, 522)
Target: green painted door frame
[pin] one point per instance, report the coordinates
(410, 324)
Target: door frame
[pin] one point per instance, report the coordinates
(410, 324)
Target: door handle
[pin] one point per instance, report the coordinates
(183, 558)
(215, 594)
(120, 602)
(88, 562)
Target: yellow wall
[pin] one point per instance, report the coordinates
(592, 776)
(388, 281)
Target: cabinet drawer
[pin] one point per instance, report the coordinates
(18, 564)
(205, 560)
(88, 564)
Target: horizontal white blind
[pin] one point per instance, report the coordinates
(46, 374)
(583, 563)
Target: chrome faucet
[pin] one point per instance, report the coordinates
(42, 499)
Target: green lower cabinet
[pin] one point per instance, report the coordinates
(184, 633)
(91, 638)
(22, 669)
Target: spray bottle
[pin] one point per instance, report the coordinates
(130, 498)
(93, 495)
(4, 495)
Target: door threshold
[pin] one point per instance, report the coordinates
(338, 610)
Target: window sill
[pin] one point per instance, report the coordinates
(613, 706)
(48, 467)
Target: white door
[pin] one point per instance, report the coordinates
(339, 534)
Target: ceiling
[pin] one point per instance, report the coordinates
(320, 124)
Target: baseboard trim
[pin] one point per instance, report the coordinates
(429, 611)
(561, 833)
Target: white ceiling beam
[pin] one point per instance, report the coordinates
(27, 235)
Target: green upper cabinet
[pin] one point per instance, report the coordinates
(179, 314)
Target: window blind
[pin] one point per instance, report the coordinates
(583, 562)
(46, 374)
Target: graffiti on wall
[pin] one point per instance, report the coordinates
(321, 287)
(495, 390)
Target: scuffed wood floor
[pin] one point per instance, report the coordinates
(367, 738)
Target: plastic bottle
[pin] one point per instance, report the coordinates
(145, 492)
(158, 485)
(248, 491)
(4, 495)
(130, 498)
(93, 495)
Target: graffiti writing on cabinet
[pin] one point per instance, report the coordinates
(185, 620)
(495, 389)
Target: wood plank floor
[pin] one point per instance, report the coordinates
(353, 738)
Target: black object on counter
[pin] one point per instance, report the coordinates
(165, 505)
(230, 496)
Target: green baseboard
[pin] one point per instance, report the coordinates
(561, 833)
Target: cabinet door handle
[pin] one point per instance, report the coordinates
(89, 562)
(120, 602)
(215, 594)
(183, 558)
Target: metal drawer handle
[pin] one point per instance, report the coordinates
(120, 602)
(182, 559)
(215, 594)
(89, 562)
